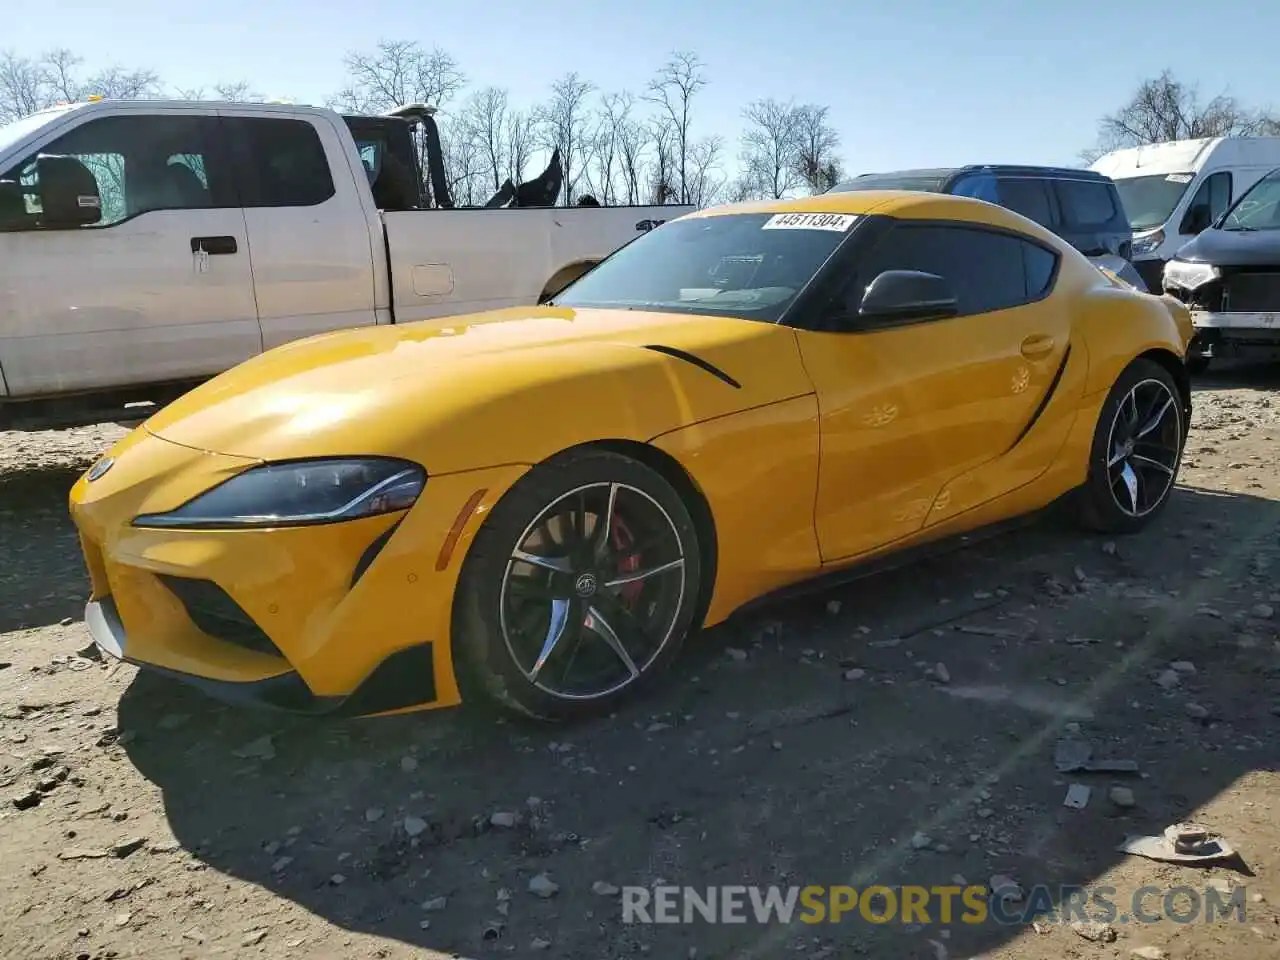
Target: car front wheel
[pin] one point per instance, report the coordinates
(579, 588)
(1136, 450)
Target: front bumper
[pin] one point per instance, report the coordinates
(1252, 336)
(1152, 273)
(348, 619)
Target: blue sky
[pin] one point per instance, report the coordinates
(909, 83)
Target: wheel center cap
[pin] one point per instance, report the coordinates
(586, 585)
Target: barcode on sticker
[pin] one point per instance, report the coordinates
(838, 222)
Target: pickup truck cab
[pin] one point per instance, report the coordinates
(147, 246)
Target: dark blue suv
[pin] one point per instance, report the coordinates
(1081, 206)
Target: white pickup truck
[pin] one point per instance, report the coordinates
(146, 246)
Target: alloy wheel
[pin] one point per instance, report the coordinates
(1143, 447)
(592, 591)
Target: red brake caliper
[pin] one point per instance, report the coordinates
(623, 541)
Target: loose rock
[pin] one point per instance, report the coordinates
(602, 889)
(1196, 712)
(1122, 797)
(1263, 611)
(503, 819)
(414, 826)
(374, 814)
(539, 943)
(27, 800)
(543, 886)
(408, 764)
(260, 749)
(1094, 931)
(1148, 953)
(920, 841)
(733, 653)
(435, 904)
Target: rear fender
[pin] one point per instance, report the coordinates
(1120, 325)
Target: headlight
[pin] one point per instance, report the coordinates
(300, 492)
(1188, 276)
(1147, 244)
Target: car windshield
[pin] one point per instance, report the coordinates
(1148, 201)
(1259, 208)
(12, 132)
(746, 265)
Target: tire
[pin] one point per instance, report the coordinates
(1111, 500)
(507, 609)
(1197, 365)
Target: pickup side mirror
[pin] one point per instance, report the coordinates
(68, 193)
(907, 295)
(1197, 220)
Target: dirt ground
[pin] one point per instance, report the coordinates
(820, 744)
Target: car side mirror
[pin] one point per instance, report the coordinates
(897, 296)
(69, 194)
(1197, 220)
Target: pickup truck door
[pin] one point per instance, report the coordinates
(158, 289)
(310, 236)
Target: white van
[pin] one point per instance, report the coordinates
(1172, 191)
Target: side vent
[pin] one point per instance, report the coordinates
(697, 361)
(1044, 401)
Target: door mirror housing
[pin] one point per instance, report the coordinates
(907, 295)
(69, 194)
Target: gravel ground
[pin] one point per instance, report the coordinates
(901, 731)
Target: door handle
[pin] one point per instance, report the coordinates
(214, 246)
(1037, 347)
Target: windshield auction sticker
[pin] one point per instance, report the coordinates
(838, 222)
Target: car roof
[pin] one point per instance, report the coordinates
(943, 174)
(900, 204)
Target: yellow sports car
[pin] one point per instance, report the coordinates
(542, 502)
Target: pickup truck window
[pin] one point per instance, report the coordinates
(140, 163)
(748, 265)
(286, 163)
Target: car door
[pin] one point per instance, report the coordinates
(905, 408)
(308, 235)
(158, 288)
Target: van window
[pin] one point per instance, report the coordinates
(141, 164)
(1215, 193)
(1027, 196)
(1086, 204)
(286, 163)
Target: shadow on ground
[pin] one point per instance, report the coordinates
(42, 574)
(775, 769)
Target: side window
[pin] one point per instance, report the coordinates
(140, 164)
(1041, 266)
(1086, 204)
(286, 163)
(988, 270)
(1215, 193)
(980, 186)
(1028, 197)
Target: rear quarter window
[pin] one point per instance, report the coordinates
(1087, 204)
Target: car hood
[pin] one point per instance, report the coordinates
(1234, 248)
(470, 391)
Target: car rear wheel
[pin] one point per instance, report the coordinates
(579, 588)
(1136, 452)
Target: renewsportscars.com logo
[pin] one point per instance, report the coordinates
(972, 904)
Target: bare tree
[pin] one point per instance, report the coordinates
(607, 164)
(664, 169)
(399, 72)
(672, 90)
(521, 141)
(770, 148)
(238, 92)
(632, 139)
(705, 181)
(564, 125)
(816, 143)
(30, 84)
(485, 120)
(464, 164)
(1165, 108)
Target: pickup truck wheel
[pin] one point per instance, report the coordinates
(1136, 451)
(579, 588)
